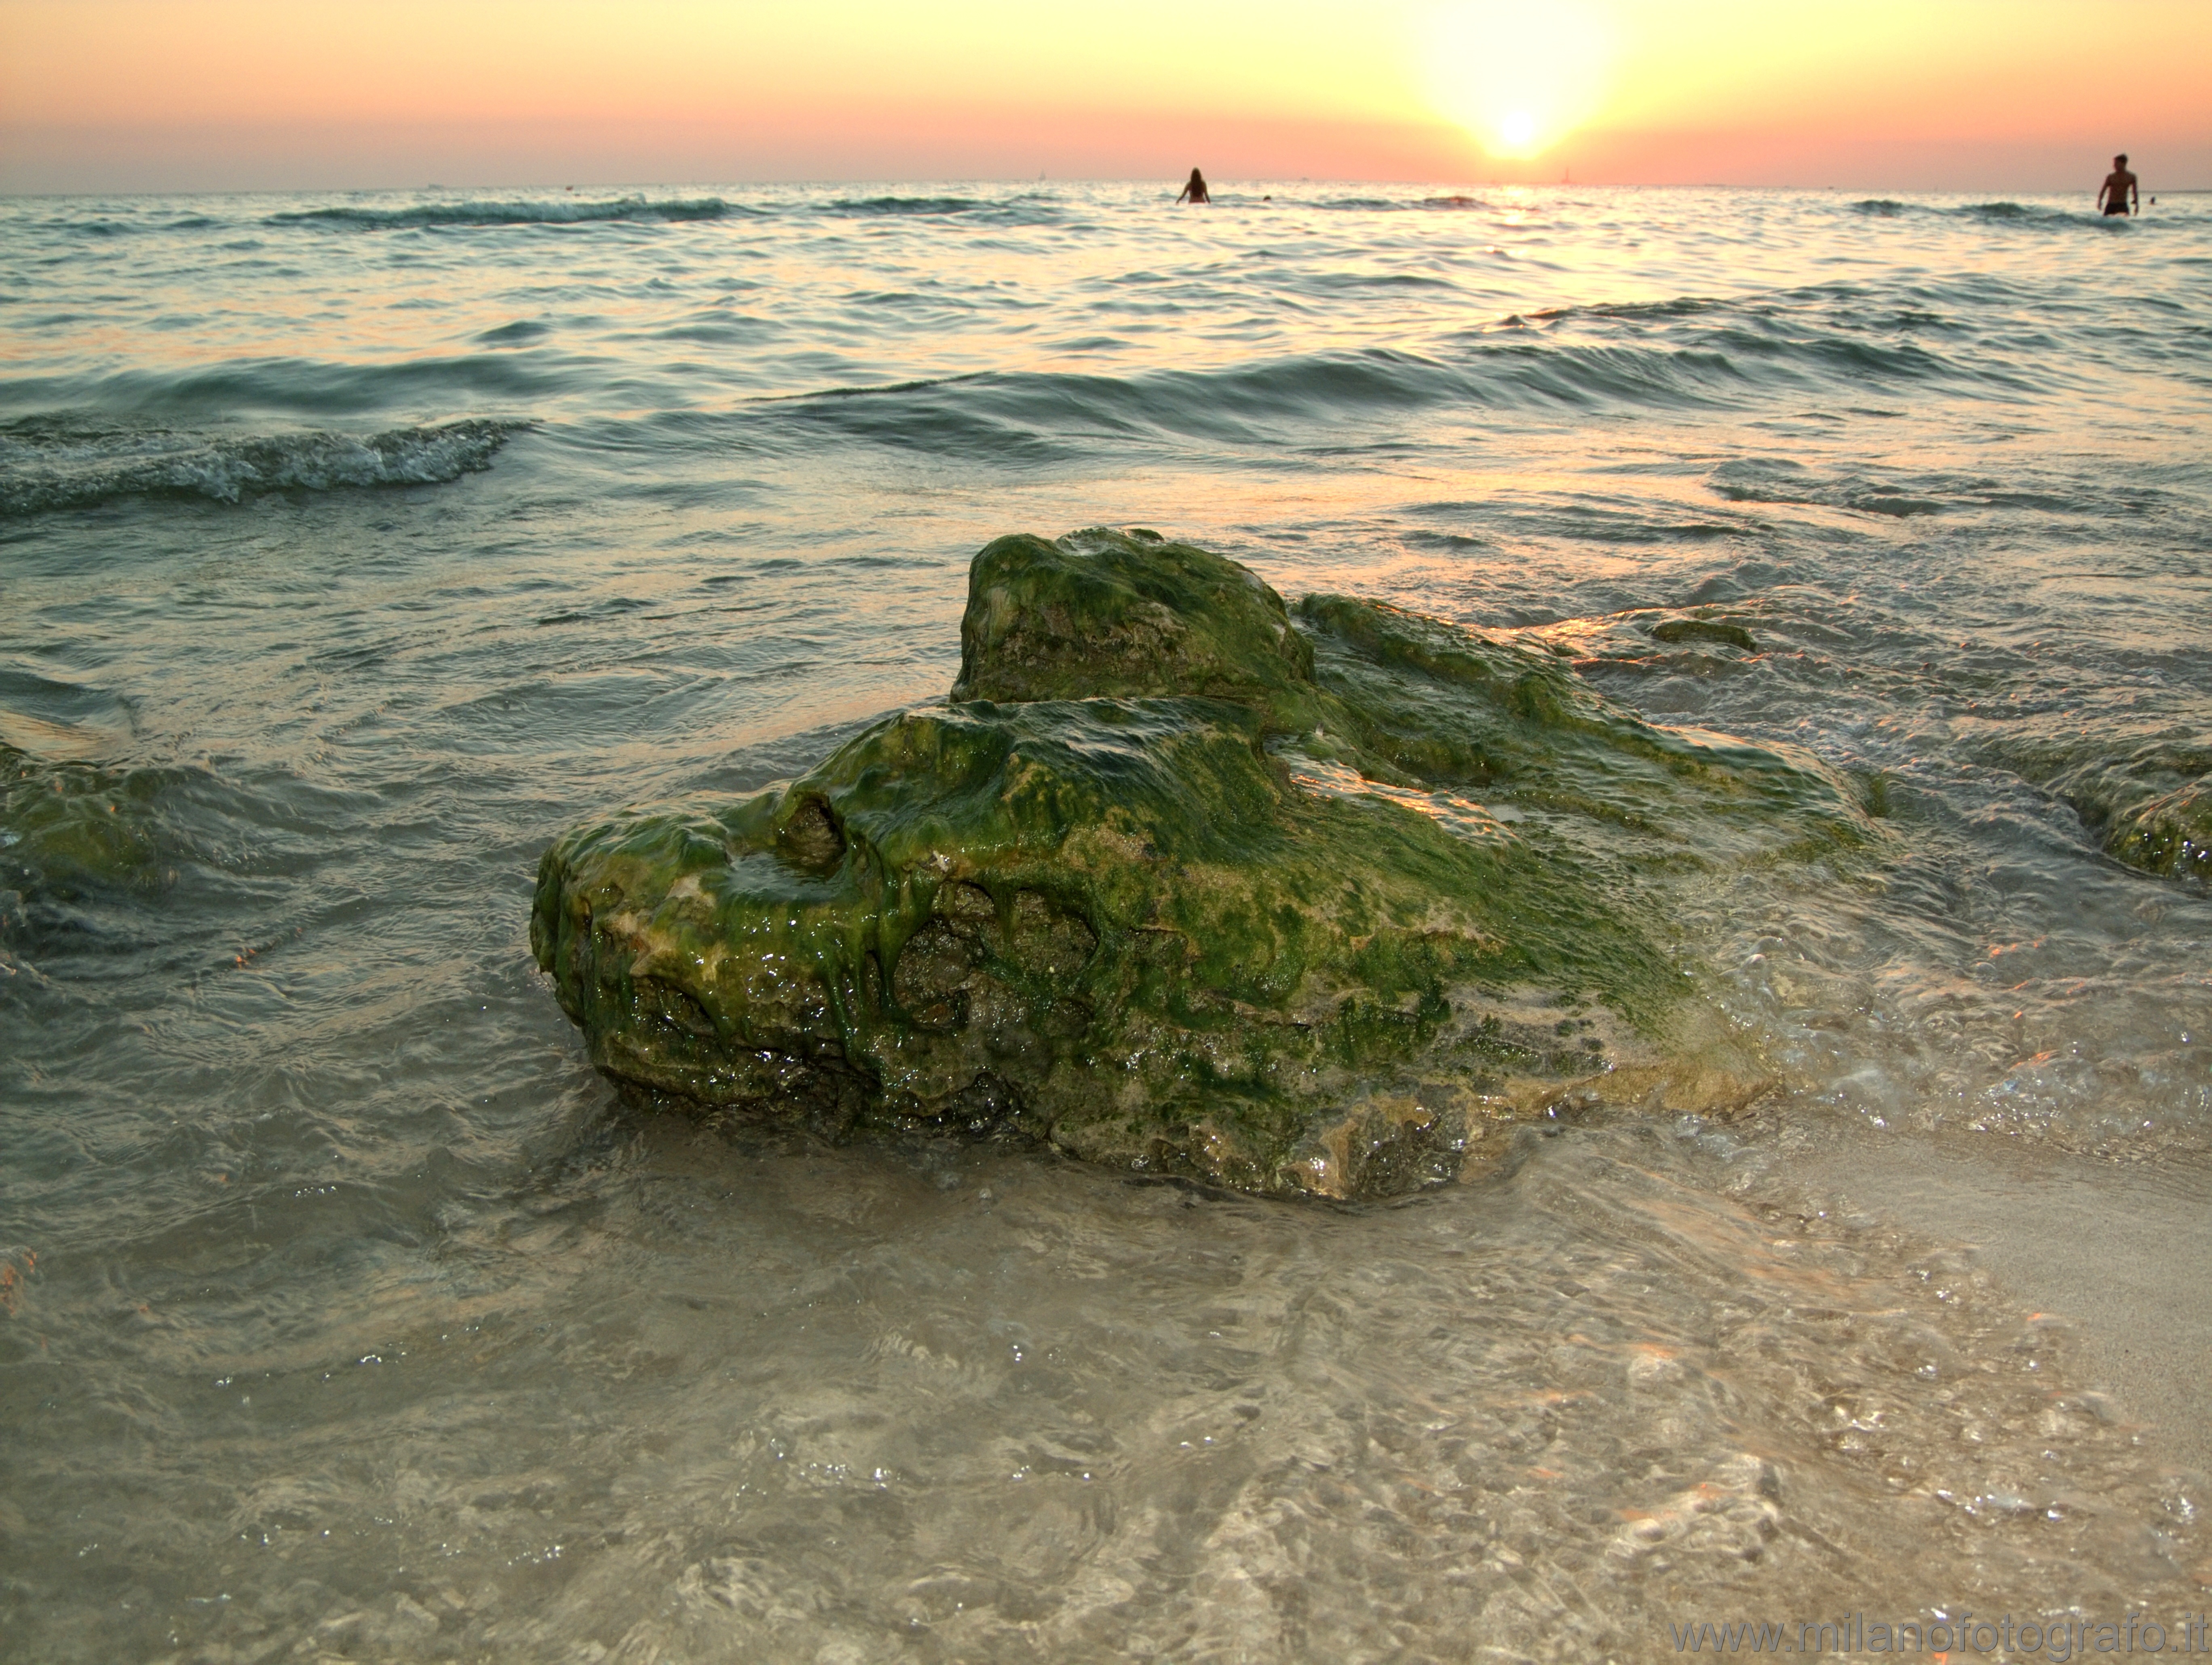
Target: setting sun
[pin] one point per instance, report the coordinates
(1517, 80)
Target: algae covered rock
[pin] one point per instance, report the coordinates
(1704, 630)
(2171, 835)
(1107, 616)
(1183, 879)
(65, 827)
(2151, 806)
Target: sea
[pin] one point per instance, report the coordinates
(353, 547)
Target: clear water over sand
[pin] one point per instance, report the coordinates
(350, 549)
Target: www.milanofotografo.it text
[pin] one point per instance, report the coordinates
(2054, 1639)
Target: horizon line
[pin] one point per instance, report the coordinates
(1068, 178)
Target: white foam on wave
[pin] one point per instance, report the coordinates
(555, 211)
(49, 466)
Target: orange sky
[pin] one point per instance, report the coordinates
(1903, 94)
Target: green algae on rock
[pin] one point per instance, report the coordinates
(67, 826)
(2171, 835)
(2152, 807)
(1182, 880)
(1704, 630)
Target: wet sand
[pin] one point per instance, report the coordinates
(2119, 1252)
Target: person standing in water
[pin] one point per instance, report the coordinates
(2114, 196)
(1195, 191)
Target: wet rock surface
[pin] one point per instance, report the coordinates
(1322, 899)
(67, 826)
(2151, 807)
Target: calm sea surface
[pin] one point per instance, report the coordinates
(352, 548)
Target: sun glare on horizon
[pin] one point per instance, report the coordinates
(1519, 79)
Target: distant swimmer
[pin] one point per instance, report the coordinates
(2118, 194)
(1195, 191)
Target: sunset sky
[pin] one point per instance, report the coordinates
(1966, 94)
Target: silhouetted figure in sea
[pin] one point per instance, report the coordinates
(2113, 196)
(1195, 191)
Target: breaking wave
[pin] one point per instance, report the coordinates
(904, 205)
(1023, 210)
(555, 211)
(1995, 214)
(48, 464)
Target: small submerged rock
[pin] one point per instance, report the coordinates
(2171, 835)
(67, 826)
(1721, 631)
(2151, 806)
(1321, 900)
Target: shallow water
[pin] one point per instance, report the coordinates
(352, 549)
